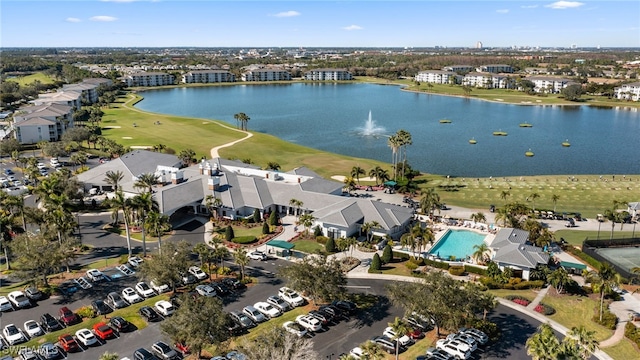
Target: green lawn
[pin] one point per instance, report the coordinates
(29, 79)
(527, 293)
(308, 246)
(576, 237)
(623, 350)
(575, 311)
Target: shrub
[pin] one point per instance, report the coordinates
(273, 219)
(609, 320)
(228, 233)
(256, 216)
(456, 270)
(490, 328)
(375, 263)
(86, 312)
(536, 284)
(544, 309)
(475, 270)
(330, 246)
(245, 239)
(266, 229)
(588, 259)
(514, 281)
(387, 254)
(317, 231)
(490, 283)
(437, 264)
(224, 270)
(411, 266)
(401, 256)
(632, 333)
(418, 261)
(322, 240)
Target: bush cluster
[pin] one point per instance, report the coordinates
(475, 270)
(330, 246)
(588, 259)
(437, 264)
(376, 264)
(545, 309)
(511, 285)
(322, 240)
(632, 333)
(518, 300)
(490, 328)
(609, 320)
(456, 270)
(401, 256)
(86, 312)
(418, 261)
(411, 266)
(244, 239)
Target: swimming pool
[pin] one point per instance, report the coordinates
(457, 243)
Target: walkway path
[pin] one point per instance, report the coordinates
(214, 151)
(541, 294)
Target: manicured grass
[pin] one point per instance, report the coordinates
(398, 268)
(623, 350)
(246, 231)
(575, 311)
(576, 237)
(308, 246)
(527, 293)
(29, 79)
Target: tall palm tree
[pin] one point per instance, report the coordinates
(430, 200)
(400, 328)
(297, 204)
(394, 144)
(372, 351)
(241, 258)
(544, 345)
(559, 279)
(603, 281)
(504, 215)
(585, 340)
(121, 203)
(356, 171)
(504, 195)
(205, 255)
(157, 223)
(478, 217)
(404, 140)
(220, 252)
(6, 229)
(349, 183)
(533, 198)
(213, 204)
(143, 204)
(555, 198)
(243, 119)
(306, 220)
(146, 181)
(113, 178)
(480, 252)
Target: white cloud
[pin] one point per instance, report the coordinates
(103, 18)
(72, 20)
(289, 13)
(529, 6)
(564, 5)
(352, 27)
(502, 11)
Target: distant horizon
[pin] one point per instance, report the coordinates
(444, 47)
(414, 24)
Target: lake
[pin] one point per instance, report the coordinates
(334, 117)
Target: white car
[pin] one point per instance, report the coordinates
(357, 353)
(131, 296)
(5, 304)
(86, 337)
(254, 314)
(144, 289)
(404, 340)
(464, 339)
(267, 309)
(33, 329)
(41, 166)
(290, 296)
(198, 273)
(124, 269)
(135, 261)
(164, 308)
(13, 335)
(19, 299)
(257, 255)
(95, 275)
(295, 328)
(159, 288)
(205, 290)
(309, 322)
(479, 335)
(453, 349)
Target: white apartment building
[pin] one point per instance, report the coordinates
(37, 123)
(495, 68)
(266, 75)
(63, 97)
(628, 92)
(438, 77)
(208, 76)
(328, 75)
(546, 84)
(149, 79)
(458, 68)
(89, 92)
(488, 81)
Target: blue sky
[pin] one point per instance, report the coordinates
(418, 23)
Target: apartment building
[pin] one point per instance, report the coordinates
(495, 68)
(547, 84)
(149, 79)
(46, 122)
(488, 80)
(328, 75)
(208, 76)
(459, 68)
(628, 92)
(438, 77)
(266, 75)
(63, 97)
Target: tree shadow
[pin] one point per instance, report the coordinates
(515, 333)
(377, 312)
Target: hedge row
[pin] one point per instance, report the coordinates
(456, 270)
(437, 264)
(588, 259)
(632, 333)
(475, 270)
(522, 285)
(609, 320)
(244, 239)
(400, 255)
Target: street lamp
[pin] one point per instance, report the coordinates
(599, 224)
(330, 356)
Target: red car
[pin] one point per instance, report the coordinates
(184, 349)
(68, 317)
(415, 333)
(68, 343)
(103, 331)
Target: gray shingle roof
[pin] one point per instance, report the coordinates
(510, 248)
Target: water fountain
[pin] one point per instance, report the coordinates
(370, 128)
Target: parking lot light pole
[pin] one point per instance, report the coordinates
(330, 356)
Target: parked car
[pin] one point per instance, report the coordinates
(480, 336)
(386, 344)
(267, 309)
(290, 296)
(143, 354)
(188, 279)
(346, 306)
(295, 328)
(309, 322)
(320, 316)
(119, 324)
(464, 339)
(103, 331)
(164, 308)
(242, 319)
(131, 296)
(198, 273)
(403, 340)
(100, 307)
(33, 293)
(220, 288)
(149, 313)
(32, 328)
(144, 290)
(257, 255)
(5, 304)
(279, 303)
(68, 343)
(48, 351)
(19, 300)
(332, 312)
(233, 284)
(253, 314)
(27, 354)
(95, 275)
(68, 317)
(49, 323)
(233, 327)
(163, 351)
(159, 288)
(116, 301)
(135, 261)
(438, 354)
(13, 335)
(205, 290)
(86, 337)
(454, 349)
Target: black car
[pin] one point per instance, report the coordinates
(234, 284)
(149, 314)
(334, 311)
(33, 293)
(345, 305)
(119, 324)
(49, 323)
(233, 327)
(328, 314)
(143, 354)
(100, 307)
(220, 288)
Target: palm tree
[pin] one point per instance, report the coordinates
(113, 178)
(559, 279)
(504, 195)
(109, 356)
(584, 340)
(478, 217)
(220, 252)
(533, 198)
(394, 144)
(243, 119)
(480, 251)
(372, 351)
(146, 181)
(356, 171)
(144, 204)
(430, 200)
(555, 199)
(399, 327)
(6, 228)
(297, 204)
(349, 183)
(502, 214)
(603, 281)
(121, 203)
(213, 204)
(241, 258)
(205, 255)
(272, 165)
(543, 345)
(306, 220)
(157, 223)
(404, 140)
